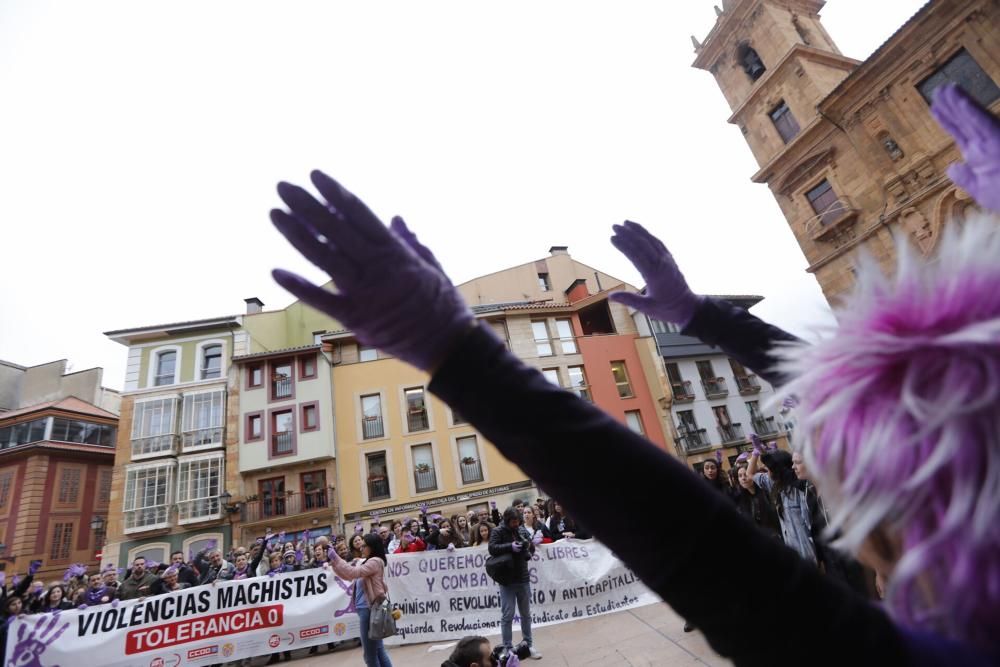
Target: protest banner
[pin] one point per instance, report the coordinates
(442, 595)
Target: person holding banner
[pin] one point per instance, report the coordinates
(393, 294)
(369, 572)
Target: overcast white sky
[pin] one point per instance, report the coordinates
(140, 143)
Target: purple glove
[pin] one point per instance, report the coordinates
(358, 527)
(15, 581)
(281, 536)
(115, 602)
(536, 539)
(34, 565)
(298, 556)
(668, 297)
(3, 577)
(423, 509)
(391, 291)
(515, 547)
(718, 456)
(82, 607)
(977, 134)
(758, 446)
(743, 456)
(305, 536)
(493, 504)
(212, 544)
(513, 660)
(451, 546)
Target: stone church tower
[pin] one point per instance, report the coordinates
(849, 148)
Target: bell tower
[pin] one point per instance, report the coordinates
(774, 62)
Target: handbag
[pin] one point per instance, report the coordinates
(382, 624)
(501, 568)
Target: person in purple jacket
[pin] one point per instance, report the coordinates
(897, 412)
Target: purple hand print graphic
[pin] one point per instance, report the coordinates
(29, 649)
(345, 586)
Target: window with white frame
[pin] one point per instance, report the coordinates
(567, 340)
(154, 427)
(204, 419)
(543, 345)
(367, 353)
(148, 493)
(166, 368)
(199, 484)
(634, 421)
(424, 477)
(552, 375)
(211, 361)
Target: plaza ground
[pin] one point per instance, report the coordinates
(647, 636)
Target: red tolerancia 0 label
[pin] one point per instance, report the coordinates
(200, 629)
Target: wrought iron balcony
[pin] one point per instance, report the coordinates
(715, 387)
(693, 440)
(281, 443)
(424, 480)
(731, 433)
(153, 445)
(282, 387)
(764, 426)
(747, 384)
(471, 472)
(682, 391)
(279, 505)
(378, 488)
(372, 427)
(416, 419)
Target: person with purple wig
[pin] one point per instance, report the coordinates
(897, 417)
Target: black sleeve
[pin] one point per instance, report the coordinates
(496, 546)
(256, 561)
(556, 439)
(23, 585)
(744, 337)
(495, 515)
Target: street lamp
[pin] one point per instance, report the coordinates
(226, 499)
(96, 524)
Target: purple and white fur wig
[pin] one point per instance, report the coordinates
(899, 423)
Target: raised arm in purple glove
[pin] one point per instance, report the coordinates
(718, 456)
(390, 291)
(668, 297)
(758, 446)
(977, 134)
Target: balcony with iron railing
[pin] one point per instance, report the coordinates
(693, 440)
(715, 387)
(764, 426)
(416, 419)
(472, 471)
(731, 433)
(747, 384)
(424, 479)
(282, 443)
(281, 387)
(372, 427)
(154, 445)
(378, 488)
(288, 504)
(682, 391)
(203, 437)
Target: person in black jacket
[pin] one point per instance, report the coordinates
(185, 573)
(392, 293)
(512, 539)
(754, 503)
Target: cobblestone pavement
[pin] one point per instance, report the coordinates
(646, 636)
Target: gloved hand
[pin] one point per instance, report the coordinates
(515, 547)
(358, 527)
(718, 456)
(390, 290)
(668, 297)
(536, 539)
(493, 504)
(758, 446)
(451, 546)
(423, 509)
(34, 565)
(977, 134)
(3, 578)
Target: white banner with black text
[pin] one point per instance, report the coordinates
(442, 595)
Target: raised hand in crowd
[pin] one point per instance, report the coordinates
(977, 134)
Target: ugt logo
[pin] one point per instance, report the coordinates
(29, 649)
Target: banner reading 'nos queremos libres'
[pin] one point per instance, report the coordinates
(443, 595)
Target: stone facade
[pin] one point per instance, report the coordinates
(863, 130)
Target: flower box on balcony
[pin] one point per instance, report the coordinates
(423, 467)
(468, 460)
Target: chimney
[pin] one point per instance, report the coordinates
(559, 250)
(577, 290)
(254, 305)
